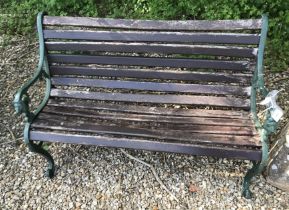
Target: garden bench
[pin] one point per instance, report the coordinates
(173, 86)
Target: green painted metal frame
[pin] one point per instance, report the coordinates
(269, 125)
(21, 99)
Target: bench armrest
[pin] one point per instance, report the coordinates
(258, 84)
(21, 99)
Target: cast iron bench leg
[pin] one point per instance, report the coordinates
(258, 167)
(37, 148)
(255, 170)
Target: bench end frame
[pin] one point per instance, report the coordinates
(22, 99)
(269, 126)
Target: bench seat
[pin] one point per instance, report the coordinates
(221, 133)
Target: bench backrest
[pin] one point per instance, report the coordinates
(192, 63)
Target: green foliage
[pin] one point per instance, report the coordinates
(19, 16)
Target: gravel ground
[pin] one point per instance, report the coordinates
(91, 177)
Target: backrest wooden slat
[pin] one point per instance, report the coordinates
(152, 86)
(156, 111)
(153, 98)
(145, 61)
(150, 74)
(172, 37)
(152, 48)
(173, 25)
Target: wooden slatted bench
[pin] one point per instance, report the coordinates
(174, 86)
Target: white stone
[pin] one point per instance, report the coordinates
(274, 167)
(287, 141)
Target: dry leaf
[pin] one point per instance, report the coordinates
(193, 188)
(155, 208)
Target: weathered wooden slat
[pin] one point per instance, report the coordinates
(168, 25)
(153, 48)
(153, 62)
(174, 37)
(149, 110)
(150, 98)
(151, 74)
(93, 114)
(152, 86)
(164, 146)
(143, 131)
(214, 136)
(238, 136)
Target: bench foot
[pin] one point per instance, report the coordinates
(247, 193)
(37, 148)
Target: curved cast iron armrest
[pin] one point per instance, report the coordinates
(21, 99)
(258, 84)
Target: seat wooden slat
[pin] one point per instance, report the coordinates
(237, 136)
(233, 132)
(152, 86)
(195, 149)
(149, 110)
(183, 120)
(153, 48)
(150, 98)
(171, 37)
(149, 61)
(151, 74)
(168, 25)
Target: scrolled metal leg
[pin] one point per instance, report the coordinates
(38, 149)
(255, 170)
(258, 167)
